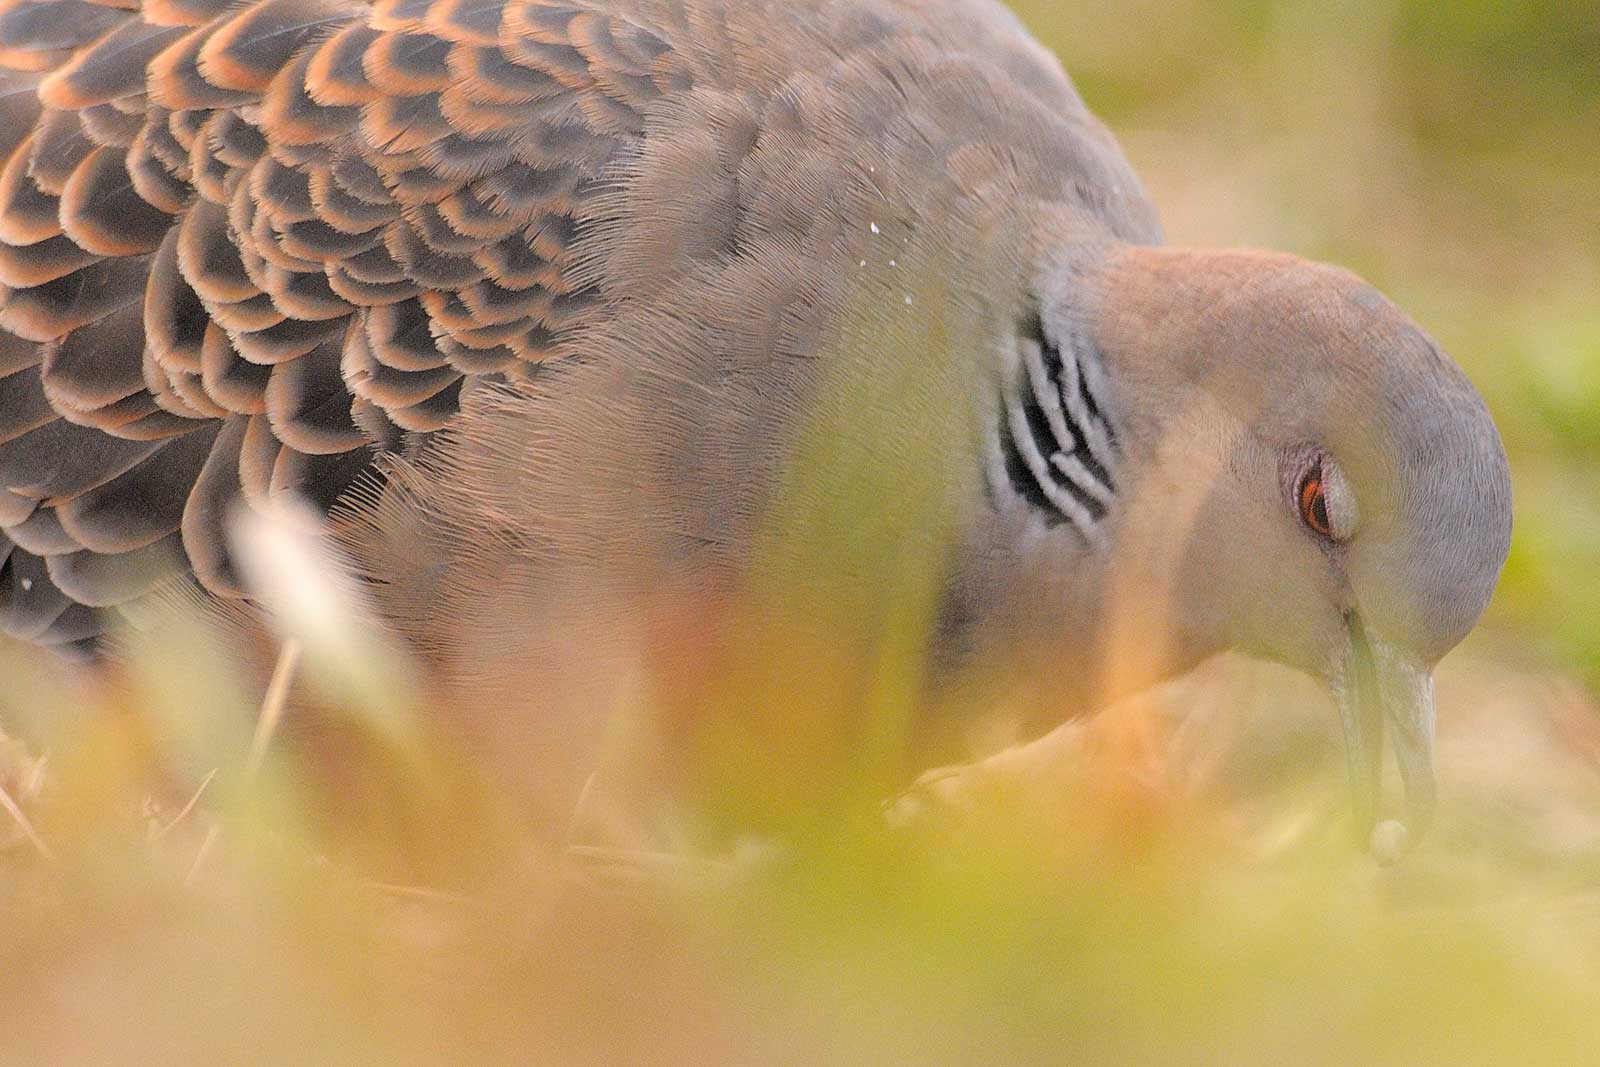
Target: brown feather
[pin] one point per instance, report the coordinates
(111, 124)
(56, 308)
(28, 214)
(98, 364)
(23, 404)
(114, 66)
(25, 266)
(245, 51)
(59, 145)
(29, 601)
(308, 405)
(247, 246)
(42, 534)
(175, 81)
(234, 382)
(144, 503)
(104, 581)
(205, 512)
(160, 184)
(54, 26)
(137, 417)
(14, 508)
(104, 214)
(59, 460)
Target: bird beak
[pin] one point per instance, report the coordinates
(1375, 685)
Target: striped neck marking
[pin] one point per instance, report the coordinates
(1056, 448)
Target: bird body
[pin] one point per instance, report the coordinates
(249, 249)
(592, 313)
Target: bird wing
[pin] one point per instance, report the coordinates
(244, 250)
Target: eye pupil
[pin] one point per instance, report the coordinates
(1314, 504)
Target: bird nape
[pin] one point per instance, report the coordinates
(756, 342)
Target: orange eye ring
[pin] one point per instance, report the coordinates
(1314, 503)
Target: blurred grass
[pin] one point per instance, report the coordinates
(1206, 910)
(1089, 914)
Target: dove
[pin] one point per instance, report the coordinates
(596, 311)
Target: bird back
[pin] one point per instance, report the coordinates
(246, 251)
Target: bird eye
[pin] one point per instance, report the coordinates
(1314, 502)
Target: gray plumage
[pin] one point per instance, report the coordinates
(640, 261)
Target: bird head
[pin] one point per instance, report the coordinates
(1303, 475)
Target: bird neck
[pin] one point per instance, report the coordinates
(1157, 322)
